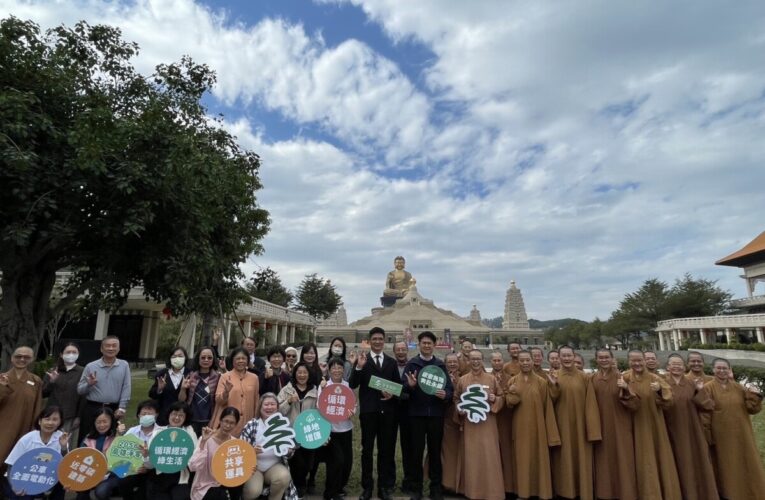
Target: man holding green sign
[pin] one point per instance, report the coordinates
(429, 388)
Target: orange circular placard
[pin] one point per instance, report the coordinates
(233, 462)
(82, 469)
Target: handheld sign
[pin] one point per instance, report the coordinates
(124, 456)
(475, 402)
(382, 384)
(431, 379)
(35, 472)
(336, 402)
(279, 435)
(171, 450)
(82, 469)
(233, 463)
(311, 429)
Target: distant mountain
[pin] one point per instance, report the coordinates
(551, 323)
(533, 323)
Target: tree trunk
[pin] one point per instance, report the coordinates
(24, 310)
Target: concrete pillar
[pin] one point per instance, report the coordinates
(274, 337)
(760, 335)
(248, 326)
(283, 334)
(312, 334)
(728, 335)
(188, 338)
(662, 345)
(675, 340)
(148, 346)
(702, 336)
(292, 334)
(102, 325)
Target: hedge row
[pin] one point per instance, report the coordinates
(733, 345)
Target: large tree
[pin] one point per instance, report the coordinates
(317, 297)
(265, 284)
(122, 179)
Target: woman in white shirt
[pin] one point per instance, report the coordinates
(270, 469)
(45, 435)
(338, 452)
(134, 487)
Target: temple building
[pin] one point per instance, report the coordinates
(515, 311)
(746, 327)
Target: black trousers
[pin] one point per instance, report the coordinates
(338, 454)
(430, 431)
(380, 427)
(405, 441)
(300, 466)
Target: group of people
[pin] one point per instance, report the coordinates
(555, 432)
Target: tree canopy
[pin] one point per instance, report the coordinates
(265, 284)
(122, 179)
(317, 296)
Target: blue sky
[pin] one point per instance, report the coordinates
(577, 148)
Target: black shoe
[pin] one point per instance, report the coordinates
(385, 494)
(365, 495)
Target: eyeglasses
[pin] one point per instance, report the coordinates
(291, 356)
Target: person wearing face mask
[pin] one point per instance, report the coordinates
(134, 487)
(168, 383)
(60, 387)
(337, 349)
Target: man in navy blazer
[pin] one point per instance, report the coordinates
(377, 416)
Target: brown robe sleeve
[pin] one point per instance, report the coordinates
(664, 394)
(499, 400)
(592, 413)
(511, 398)
(553, 390)
(627, 397)
(551, 425)
(5, 391)
(753, 402)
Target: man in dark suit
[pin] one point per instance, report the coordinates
(377, 416)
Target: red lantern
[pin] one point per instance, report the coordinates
(167, 312)
(256, 324)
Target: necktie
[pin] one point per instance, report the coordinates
(378, 361)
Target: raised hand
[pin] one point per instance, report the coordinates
(227, 386)
(3, 379)
(269, 372)
(411, 378)
(119, 414)
(512, 389)
(352, 356)
(186, 382)
(216, 337)
(655, 386)
(620, 382)
(91, 379)
(206, 433)
(121, 428)
(552, 377)
(699, 384)
(161, 384)
(222, 364)
(144, 449)
(362, 359)
(63, 440)
(53, 375)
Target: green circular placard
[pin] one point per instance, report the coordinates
(311, 429)
(171, 450)
(431, 379)
(124, 456)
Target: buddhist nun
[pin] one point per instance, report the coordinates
(614, 473)
(537, 357)
(576, 412)
(686, 433)
(504, 422)
(740, 473)
(696, 368)
(654, 461)
(450, 444)
(20, 400)
(481, 476)
(534, 429)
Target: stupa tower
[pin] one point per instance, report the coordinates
(515, 312)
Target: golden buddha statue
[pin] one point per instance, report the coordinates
(399, 280)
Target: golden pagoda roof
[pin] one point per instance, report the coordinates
(752, 252)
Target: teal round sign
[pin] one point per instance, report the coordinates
(431, 379)
(311, 429)
(171, 450)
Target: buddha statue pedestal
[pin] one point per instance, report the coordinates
(388, 300)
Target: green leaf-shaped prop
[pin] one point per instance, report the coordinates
(475, 402)
(279, 435)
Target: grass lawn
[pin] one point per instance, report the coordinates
(141, 387)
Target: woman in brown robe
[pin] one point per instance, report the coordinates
(534, 430)
(576, 412)
(450, 445)
(654, 461)
(740, 474)
(482, 472)
(20, 400)
(686, 433)
(615, 475)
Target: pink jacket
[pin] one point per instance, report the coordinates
(91, 443)
(201, 463)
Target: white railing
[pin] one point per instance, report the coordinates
(757, 300)
(732, 321)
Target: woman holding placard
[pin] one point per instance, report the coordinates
(205, 486)
(338, 452)
(47, 434)
(174, 485)
(100, 438)
(299, 395)
(270, 469)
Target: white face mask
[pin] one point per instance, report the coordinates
(70, 359)
(337, 351)
(147, 420)
(178, 362)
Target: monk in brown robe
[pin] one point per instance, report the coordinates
(20, 400)
(654, 461)
(651, 362)
(686, 433)
(576, 412)
(615, 475)
(696, 368)
(537, 357)
(465, 347)
(450, 444)
(512, 367)
(534, 429)
(553, 359)
(482, 472)
(740, 473)
(504, 423)
(579, 362)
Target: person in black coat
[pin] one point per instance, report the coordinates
(377, 416)
(275, 376)
(167, 383)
